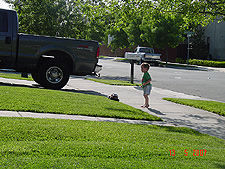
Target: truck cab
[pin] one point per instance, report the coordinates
(8, 38)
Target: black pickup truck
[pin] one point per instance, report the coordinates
(50, 60)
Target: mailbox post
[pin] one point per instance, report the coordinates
(132, 59)
(132, 71)
(188, 36)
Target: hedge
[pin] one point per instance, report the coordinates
(209, 63)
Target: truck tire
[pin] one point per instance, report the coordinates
(35, 77)
(53, 74)
(156, 63)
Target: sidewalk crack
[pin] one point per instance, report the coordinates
(20, 114)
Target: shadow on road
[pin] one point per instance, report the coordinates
(19, 85)
(215, 130)
(123, 78)
(155, 111)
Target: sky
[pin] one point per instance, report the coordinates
(3, 4)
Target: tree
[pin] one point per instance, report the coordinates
(134, 32)
(193, 11)
(125, 26)
(199, 47)
(163, 32)
(190, 12)
(132, 22)
(97, 20)
(50, 17)
(120, 39)
(144, 25)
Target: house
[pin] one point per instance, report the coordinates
(215, 38)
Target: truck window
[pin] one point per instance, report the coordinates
(3, 22)
(147, 50)
(151, 51)
(141, 50)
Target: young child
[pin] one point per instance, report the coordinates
(146, 83)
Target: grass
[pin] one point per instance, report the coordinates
(114, 82)
(61, 102)
(54, 143)
(15, 76)
(103, 56)
(212, 106)
(177, 65)
(122, 59)
(209, 63)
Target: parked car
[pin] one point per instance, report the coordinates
(50, 60)
(144, 54)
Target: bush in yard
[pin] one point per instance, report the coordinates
(209, 63)
(180, 60)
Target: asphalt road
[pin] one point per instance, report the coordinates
(206, 84)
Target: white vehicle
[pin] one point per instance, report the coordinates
(144, 54)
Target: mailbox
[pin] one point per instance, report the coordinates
(133, 56)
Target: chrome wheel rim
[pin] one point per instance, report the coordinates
(54, 75)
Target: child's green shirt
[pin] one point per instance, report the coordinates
(146, 76)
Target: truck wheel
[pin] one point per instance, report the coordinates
(35, 77)
(53, 74)
(156, 63)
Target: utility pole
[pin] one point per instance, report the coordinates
(188, 36)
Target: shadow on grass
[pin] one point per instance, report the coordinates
(84, 92)
(182, 130)
(37, 86)
(220, 166)
(122, 110)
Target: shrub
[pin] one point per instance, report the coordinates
(180, 60)
(209, 63)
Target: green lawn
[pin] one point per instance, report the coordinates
(212, 106)
(15, 76)
(62, 102)
(54, 143)
(114, 82)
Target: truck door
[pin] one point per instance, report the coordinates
(6, 39)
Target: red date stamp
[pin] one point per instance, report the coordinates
(201, 152)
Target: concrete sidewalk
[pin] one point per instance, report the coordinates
(171, 113)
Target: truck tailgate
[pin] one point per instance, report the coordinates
(153, 56)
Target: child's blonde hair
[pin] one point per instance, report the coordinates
(145, 65)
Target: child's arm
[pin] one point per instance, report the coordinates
(147, 82)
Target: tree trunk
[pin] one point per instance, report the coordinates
(166, 54)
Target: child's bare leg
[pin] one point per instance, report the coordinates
(146, 100)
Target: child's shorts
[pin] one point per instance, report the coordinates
(147, 89)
